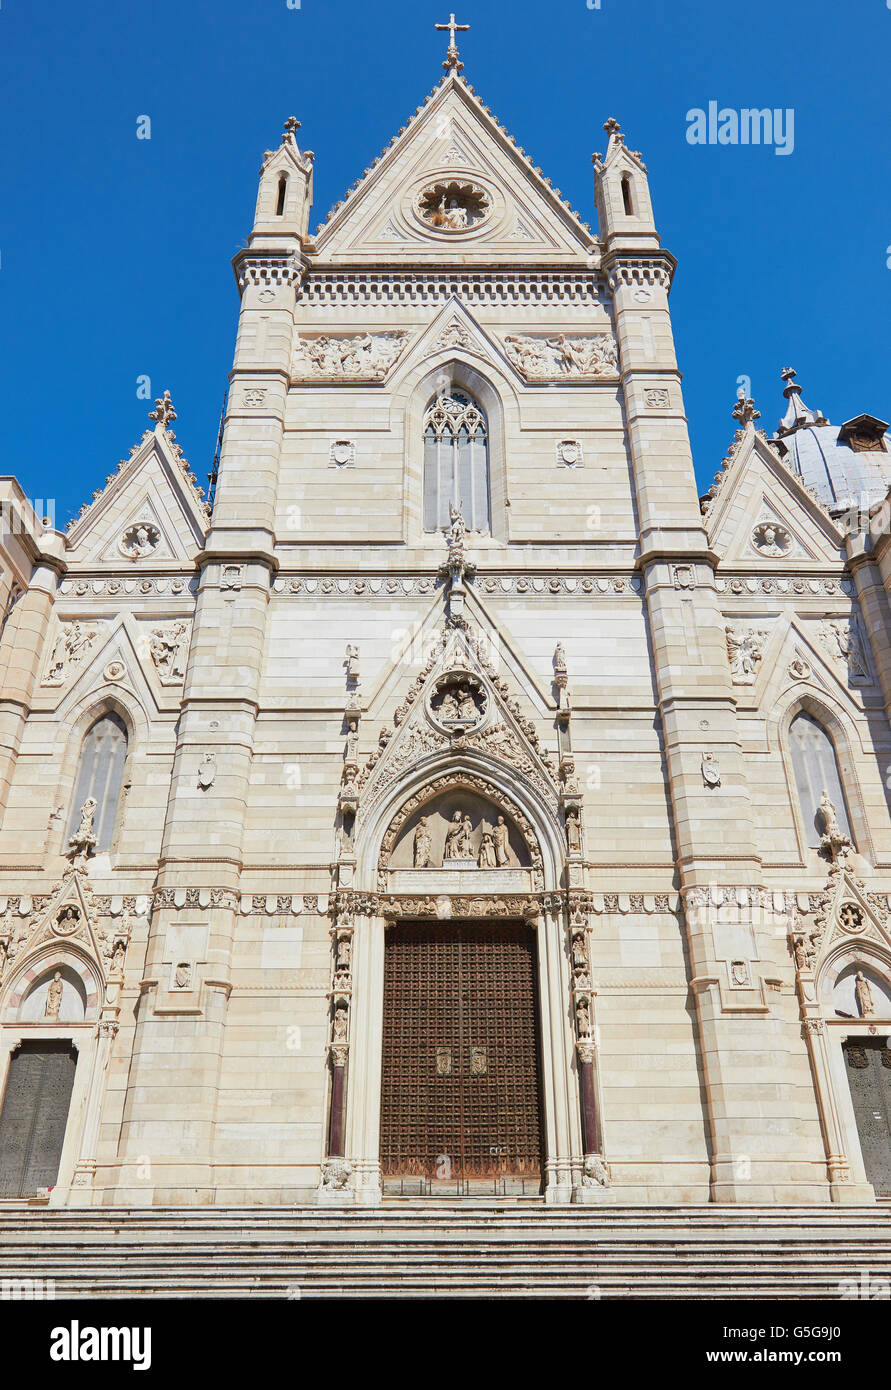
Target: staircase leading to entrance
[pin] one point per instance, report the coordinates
(414, 1250)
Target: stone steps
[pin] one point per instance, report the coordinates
(421, 1251)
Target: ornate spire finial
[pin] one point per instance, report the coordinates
(613, 128)
(744, 411)
(164, 413)
(292, 125)
(797, 413)
(452, 62)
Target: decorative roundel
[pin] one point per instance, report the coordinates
(769, 538)
(67, 922)
(142, 538)
(458, 702)
(851, 917)
(453, 206)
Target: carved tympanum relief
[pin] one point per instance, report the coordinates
(459, 830)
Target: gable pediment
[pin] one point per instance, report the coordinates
(454, 152)
(763, 517)
(148, 513)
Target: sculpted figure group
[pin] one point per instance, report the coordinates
(490, 853)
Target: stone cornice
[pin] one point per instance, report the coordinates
(267, 268)
(623, 267)
(426, 285)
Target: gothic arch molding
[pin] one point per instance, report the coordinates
(35, 966)
(496, 781)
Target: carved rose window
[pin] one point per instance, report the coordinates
(453, 206)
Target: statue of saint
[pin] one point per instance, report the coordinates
(454, 840)
(486, 858)
(863, 995)
(499, 838)
(466, 704)
(54, 998)
(422, 845)
(448, 708)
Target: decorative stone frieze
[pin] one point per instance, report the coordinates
(374, 585)
(362, 357)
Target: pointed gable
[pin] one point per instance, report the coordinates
(454, 151)
(149, 510)
(760, 514)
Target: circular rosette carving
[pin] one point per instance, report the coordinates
(851, 918)
(769, 538)
(453, 206)
(143, 538)
(458, 702)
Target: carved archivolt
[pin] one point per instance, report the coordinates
(470, 782)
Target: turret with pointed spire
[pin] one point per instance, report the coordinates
(284, 197)
(622, 194)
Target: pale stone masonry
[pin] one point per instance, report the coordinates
(310, 681)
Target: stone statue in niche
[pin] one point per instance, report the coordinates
(339, 1027)
(423, 844)
(499, 840)
(771, 539)
(54, 998)
(863, 994)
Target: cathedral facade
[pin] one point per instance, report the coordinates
(453, 803)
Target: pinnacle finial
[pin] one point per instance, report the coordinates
(164, 413)
(612, 127)
(292, 125)
(453, 62)
(744, 411)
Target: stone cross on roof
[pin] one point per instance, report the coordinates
(292, 125)
(452, 60)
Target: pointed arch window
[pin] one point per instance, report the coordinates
(101, 775)
(456, 462)
(815, 766)
(626, 196)
(282, 193)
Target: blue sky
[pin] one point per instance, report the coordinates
(115, 252)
